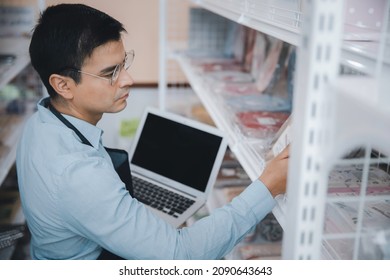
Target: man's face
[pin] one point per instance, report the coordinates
(94, 96)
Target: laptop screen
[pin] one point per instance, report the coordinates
(177, 151)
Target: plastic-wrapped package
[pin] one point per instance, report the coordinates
(236, 89)
(347, 180)
(372, 246)
(259, 53)
(257, 102)
(342, 217)
(229, 77)
(206, 65)
(260, 124)
(260, 147)
(250, 40)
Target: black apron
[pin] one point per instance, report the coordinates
(120, 160)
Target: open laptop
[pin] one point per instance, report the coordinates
(180, 156)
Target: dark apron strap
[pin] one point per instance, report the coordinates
(120, 160)
(68, 124)
(106, 255)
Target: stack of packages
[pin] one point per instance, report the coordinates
(250, 75)
(343, 216)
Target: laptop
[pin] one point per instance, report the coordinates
(174, 162)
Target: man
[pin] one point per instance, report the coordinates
(74, 201)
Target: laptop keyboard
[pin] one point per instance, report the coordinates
(159, 198)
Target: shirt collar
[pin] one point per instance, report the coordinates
(91, 132)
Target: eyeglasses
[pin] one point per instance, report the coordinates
(112, 77)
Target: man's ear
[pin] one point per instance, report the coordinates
(62, 85)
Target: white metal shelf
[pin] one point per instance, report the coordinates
(19, 48)
(11, 140)
(220, 117)
(358, 116)
(286, 24)
(349, 110)
(277, 22)
(338, 113)
(253, 164)
(362, 56)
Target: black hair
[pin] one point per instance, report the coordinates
(67, 34)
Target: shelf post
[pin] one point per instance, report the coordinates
(318, 59)
(162, 84)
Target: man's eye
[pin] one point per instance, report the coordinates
(108, 75)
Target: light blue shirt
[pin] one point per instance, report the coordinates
(75, 203)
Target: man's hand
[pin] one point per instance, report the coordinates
(274, 176)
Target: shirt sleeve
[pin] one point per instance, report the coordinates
(215, 235)
(98, 207)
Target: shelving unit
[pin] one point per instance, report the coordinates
(285, 23)
(282, 22)
(333, 115)
(22, 89)
(17, 47)
(252, 162)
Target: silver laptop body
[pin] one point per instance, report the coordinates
(177, 154)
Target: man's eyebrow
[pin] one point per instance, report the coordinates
(107, 69)
(110, 68)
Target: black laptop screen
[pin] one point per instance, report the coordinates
(177, 151)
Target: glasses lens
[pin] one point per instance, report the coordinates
(115, 74)
(129, 59)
